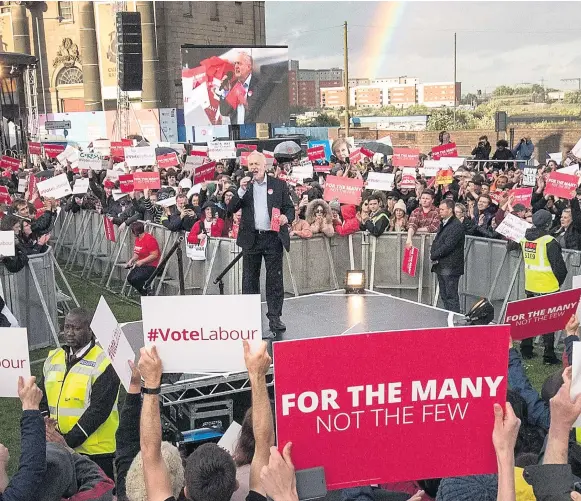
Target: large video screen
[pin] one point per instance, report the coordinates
(234, 85)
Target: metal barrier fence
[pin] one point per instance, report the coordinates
(313, 265)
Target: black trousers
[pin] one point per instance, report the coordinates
(105, 462)
(526, 345)
(269, 246)
(449, 291)
(138, 276)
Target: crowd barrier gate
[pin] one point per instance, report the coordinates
(313, 265)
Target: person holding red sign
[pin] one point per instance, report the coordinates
(145, 258)
(211, 225)
(545, 272)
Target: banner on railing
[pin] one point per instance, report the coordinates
(109, 229)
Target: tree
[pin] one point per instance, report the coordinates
(469, 99)
(325, 120)
(503, 90)
(572, 97)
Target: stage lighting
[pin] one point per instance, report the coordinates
(355, 281)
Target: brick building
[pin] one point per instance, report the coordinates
(305, 85)
(75, 43)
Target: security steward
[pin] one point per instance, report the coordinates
(545, 272)
(81, 390)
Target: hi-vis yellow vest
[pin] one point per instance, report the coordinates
(69, 396)
(539, 276)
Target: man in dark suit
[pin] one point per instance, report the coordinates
(447, 254)
(250, 94)
(258, 197)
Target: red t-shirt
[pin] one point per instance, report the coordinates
(144, 246)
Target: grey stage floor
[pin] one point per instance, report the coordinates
(334, 313)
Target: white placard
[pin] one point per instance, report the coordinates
(217, 150)
(102, 147)
(113, 341)
(192, 162)
(90, 161)
(302, 172)
(431, 167)
(229, 440)
(454, 162)
(571, 169)
(7, 243)
(513, 227)
(192, 333)
(577, 149)
(576, 377)
(55, 187)
(81, 186)
(112, 174)
(140, 156)
(529, 177)
(119, 167)
(71, 154)
(557, 157)
(15, 359)
(22, 184)
(380, 181)
(118, 194)
(196, 252)
(166, 202)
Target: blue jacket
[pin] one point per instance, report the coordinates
(524, 151)
(537, 410)
(25, 485)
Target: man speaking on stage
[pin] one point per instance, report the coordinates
(267, 211)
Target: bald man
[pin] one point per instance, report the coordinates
(247, 111)
(258, 196)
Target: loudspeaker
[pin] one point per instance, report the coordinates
(500, 121)
(129, 51)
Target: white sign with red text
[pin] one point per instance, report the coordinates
(192, 334)
(14, 360)
(7, 243)
(113, 341)
(55, 187)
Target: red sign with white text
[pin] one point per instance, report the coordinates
(444, 150)
(534, 316)
(201, 152)
(244, 158)
(31, 184)
(168, 160)
(334, 403)
(321, 168)
(34, 148)
(366, 152)
(496, 196)
(53, 150)
(117, 150)
(146, 181)
(405, 157)
(204, 172)
(126, 183)
(252, 147)
(561, 185)
(9, 163)
(410, 261)
(109, 229)
(5, 197)
(316, 153)
(344, 189)
(522, 196)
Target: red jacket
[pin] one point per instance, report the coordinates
(350, 223)
(215, 231)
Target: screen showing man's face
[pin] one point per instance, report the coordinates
(242, 67)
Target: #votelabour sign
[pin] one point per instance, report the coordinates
(429, 419)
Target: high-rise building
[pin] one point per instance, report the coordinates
(305, 85)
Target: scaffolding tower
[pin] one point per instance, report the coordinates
(121, 125)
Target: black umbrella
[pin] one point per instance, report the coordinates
(45, 174)
(377, 147)
(164, 150)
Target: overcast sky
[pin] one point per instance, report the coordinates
(497, 42)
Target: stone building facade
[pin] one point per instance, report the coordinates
(76, 46)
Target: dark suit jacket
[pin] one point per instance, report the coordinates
(448, 248)
(254, 100)
(278, 196)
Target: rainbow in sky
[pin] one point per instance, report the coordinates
(379, 41)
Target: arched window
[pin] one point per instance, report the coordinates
(70, 76)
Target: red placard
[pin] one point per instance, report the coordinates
(561, 185)
(275, 219)
(405, 157)
(244, 158)
(334, 403)
(34, 148)
(496, 196)
(321, 168)
(410, 261)
(126, 142)
(316, 153)
(203, 152)
(541, 314)
(109, 229)
(345, 190)
(126, 183)
(10, 163)
(117, 150)
(7, 173)
(204, 172)
(146, 181)
(355, 156)
(166, 161)
(444, 150)
(366, 152)
(53, 150)
(236, 96)
(522, 196)
(252, 147)
(5, 197)
(31, 184)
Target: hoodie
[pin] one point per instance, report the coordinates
(326, 227)
(554, 253)
(350, 224)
